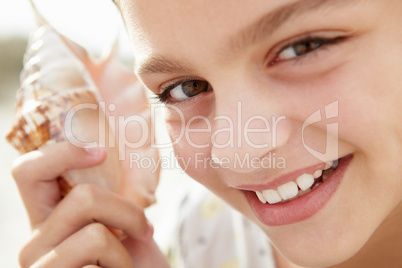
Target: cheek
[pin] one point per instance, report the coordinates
(191, 146)
(190, 128)
(372, 103)
(371, 112)
(368, 110)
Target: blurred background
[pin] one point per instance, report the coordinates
(15, 24)
(93, 24)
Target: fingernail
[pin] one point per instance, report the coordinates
(95, 151)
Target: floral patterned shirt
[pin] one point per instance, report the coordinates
(210, 234)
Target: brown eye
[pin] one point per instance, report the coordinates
(300, 49)
(189, 89)
(306, 47)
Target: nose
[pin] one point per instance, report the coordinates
(247, 127)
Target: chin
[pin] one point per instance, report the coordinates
(310, 258)
(320, 241)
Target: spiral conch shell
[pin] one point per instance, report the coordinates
(54, 82)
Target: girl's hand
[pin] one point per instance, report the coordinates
(73, 232)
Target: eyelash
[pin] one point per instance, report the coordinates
(324, 42)
(164, 96)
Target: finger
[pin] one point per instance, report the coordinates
(84, 205)
(51, 160)
(35, 174)
(93, 245)
(146, 254)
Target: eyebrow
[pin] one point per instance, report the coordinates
(251, 34)
(160, 64)
(273, 20)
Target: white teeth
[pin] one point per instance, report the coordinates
(272, 196)
(305, 181)
(327, 166)
(291, 189)
(335, 164)
(317, 174)
(301, 193)
(288, 190)
(261, 197)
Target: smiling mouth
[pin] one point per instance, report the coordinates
(302, 185)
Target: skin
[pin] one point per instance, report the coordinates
(76, 225)
(358, 227)
(358, 72)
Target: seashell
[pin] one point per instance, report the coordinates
(54, 82)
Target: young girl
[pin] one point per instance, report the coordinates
(288, 110)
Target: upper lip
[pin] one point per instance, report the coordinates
(281, 179)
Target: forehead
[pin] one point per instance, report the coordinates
(187, 28)
(164, 26)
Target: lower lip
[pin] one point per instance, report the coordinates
(300, 208)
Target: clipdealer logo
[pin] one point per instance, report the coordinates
(330, 111)
(145, 136)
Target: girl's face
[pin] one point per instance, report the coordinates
(261, 92)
